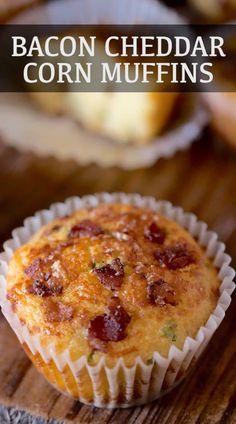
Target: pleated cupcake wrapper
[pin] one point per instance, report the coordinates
(164, 373)
(64, 138)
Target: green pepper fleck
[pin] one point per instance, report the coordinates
(90, 356)
(169, 331)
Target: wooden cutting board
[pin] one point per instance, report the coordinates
(203, 181)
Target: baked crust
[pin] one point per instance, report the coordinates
(142, 266)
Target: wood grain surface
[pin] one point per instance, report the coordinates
(201, 180)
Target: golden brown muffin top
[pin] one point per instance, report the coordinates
(116, 280)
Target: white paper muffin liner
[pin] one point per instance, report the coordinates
(60, 136)
(165, 372)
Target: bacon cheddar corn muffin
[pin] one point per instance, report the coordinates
(108, 283)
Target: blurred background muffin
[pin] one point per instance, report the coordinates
(99, 126)
(10, 7)
(222, 104)
(205, 10)
(138, 118)
(123, 117)
(215, 10)
(222, 107)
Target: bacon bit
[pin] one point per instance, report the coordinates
(174, 257)
(57, 311)
(85, 228)
(155, 234)
(111, 326)
(161, 293)
(111, 275)
(44, 283)
(50, 288)
(34, 267)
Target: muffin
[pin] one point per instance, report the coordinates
(216, 10)
(222, 104)
(123, 117)
(113, 299)
(222, 107)
(10, 7)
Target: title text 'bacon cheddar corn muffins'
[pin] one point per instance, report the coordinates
(113, 299)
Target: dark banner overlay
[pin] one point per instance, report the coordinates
(118, 58)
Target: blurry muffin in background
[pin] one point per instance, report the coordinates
(215, 10)
(222, 107)
(125, 117)
(10, 7)
(50, 102)
(222, 104)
